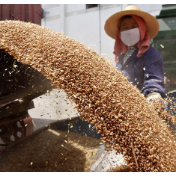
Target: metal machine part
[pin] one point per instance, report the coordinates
(19, 85)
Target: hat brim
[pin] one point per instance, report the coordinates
(112, 23)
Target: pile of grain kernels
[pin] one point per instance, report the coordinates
(166, 110)
(126, 121)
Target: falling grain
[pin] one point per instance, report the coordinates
(103, 96)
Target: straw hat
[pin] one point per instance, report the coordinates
(111, 24)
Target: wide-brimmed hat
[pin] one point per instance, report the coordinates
(112, 23)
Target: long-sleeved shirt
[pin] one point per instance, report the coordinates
(146, 72)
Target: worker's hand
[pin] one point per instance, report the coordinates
(158, 99)
(153, 96)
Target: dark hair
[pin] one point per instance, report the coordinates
(122, 18)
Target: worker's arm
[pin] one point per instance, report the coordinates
(153, 86)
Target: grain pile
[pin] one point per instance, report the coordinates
(52, 151)
(103, 96)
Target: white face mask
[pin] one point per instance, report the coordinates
(130, 37)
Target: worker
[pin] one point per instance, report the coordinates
(141, 63)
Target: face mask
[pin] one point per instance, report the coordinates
(130, 37)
